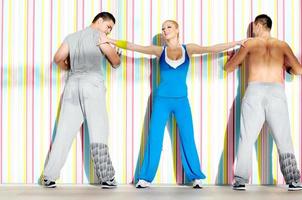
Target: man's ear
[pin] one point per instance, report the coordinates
(100, 20)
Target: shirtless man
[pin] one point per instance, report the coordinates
(265, 100)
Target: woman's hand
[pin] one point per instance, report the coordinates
(242, 42)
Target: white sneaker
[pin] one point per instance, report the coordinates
(142, 184)
(197, 184)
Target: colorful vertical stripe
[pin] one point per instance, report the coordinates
(31, 86)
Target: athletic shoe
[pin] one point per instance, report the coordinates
(142, 184)
(109, 184)
(295, 186)
(48, 183)
(197, 184)
(238, 186)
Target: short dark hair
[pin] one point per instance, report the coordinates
(104, 16)
(265, 20)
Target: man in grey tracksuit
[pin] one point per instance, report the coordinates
(84, 99)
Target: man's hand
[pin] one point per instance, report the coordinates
(230, 54)
(67, 62)
(118, 51)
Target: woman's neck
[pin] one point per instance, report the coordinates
(173, 43)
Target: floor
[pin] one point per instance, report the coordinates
(87, 192)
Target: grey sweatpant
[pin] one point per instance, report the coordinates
(265, 102)
(83, 98)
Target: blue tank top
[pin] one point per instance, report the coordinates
(173, 81)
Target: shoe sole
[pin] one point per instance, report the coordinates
(141, 187)
(197, 187)
(108, 187)
(294, 189)
(240, 189)
(50, 186)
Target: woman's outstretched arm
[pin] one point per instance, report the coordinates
(151, 49)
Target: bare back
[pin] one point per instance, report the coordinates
(265, 60)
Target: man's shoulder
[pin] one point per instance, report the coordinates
(75, 34)
(259, 41)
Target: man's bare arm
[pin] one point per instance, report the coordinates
(236, 59)
(291, 60)
(61, 56)
(111, 54)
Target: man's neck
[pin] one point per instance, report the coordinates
(94, 26)
(264, 34)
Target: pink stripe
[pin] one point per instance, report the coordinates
(76, 141)
(283, 19)
(132, 86)
(234, 102)
(126, 146)
(1, 90)
(127, 106)
(127, 110)
(229, 128)
(83, 131)
(283, 30)
(183, 21)
(183, 39)
(176, 136)
(227, 102)
(50, 72)
(83, 14)
(82, 148)
(251, 3)
(300, 87)
(201, 66)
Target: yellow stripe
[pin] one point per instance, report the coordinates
(259, 156)
(209, 76)
(275, 25)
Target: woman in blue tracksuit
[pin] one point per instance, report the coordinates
(171, 96)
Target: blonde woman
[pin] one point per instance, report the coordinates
(171, 96)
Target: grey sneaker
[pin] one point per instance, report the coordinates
(295, 186)
(109, 184)
(48, 183)
(238, 186)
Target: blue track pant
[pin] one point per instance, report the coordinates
(162, 107)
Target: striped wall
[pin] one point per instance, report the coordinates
(31, 86)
